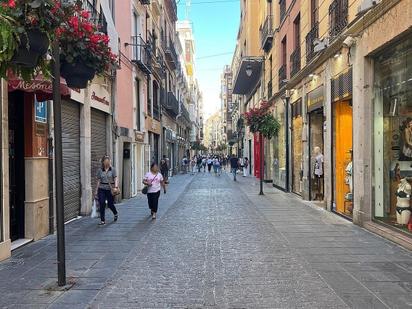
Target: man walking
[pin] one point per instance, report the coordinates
(234, 165)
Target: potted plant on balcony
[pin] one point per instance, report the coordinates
(85, 50)
(26, 27)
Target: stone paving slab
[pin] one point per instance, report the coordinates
(216, 244)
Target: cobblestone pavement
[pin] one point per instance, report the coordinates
(215, 244)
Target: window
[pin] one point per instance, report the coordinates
(282, 9)
(156, 114)
(296, 31)
(149, 101)
(314, 12)
(284, 51)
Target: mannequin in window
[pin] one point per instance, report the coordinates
(318, 172)
(403, 206)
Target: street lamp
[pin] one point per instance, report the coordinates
(249, 70)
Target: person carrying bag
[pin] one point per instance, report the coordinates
(153, 182)
(107, 187)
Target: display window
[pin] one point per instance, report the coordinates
(393, 136)
(279, 150)
(297, 147)
(342, 158)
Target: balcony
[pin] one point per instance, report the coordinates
(310, 42)
(295, 62)
(185, 113)
(170, 53)
(172, 104)
(266, 34)
(282, 76)
(282, 9)
(338, 17)
(142, 54)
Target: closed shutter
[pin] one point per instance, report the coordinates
(98, 143)
(71, 158)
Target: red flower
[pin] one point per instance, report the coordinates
(95, 38)
(88, 27)
(85, 14)
(12, 4)
(74, 22)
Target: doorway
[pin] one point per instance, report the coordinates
(316, 140)
(16, 164)
(342, 157)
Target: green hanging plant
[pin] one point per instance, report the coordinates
(9, 42)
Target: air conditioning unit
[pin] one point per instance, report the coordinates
(365, 6)
(320, 45)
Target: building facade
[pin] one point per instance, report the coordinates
(337, 76)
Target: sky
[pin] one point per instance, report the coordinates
(215, 27)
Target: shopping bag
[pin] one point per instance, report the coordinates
(94, 209)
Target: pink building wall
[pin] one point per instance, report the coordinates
(124, 94)
(287, 28)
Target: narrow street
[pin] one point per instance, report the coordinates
(215, 244)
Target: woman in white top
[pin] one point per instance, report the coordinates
(154, 180)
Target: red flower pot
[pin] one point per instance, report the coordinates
(77, 74)
(32, 47)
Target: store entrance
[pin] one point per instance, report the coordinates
(342, 154)
(16, 164)
(316, 149)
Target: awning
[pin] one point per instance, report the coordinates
(244, 84)
(42, 87)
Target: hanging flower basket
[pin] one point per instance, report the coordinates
(33, 45)
(77, 74)
(261, 120)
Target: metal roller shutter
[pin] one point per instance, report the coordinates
(98, 143)
(71, 158)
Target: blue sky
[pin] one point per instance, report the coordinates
(215, 27)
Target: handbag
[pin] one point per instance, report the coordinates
(114, 191)
(146, 187)
(94, 209)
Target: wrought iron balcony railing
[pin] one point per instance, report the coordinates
(172, 103)
(338, 17)
(266, 34)
(295, 62)
(185, 112)
(170, 52)
(310, 40)
(141, 54)
(147, 2)
(282, 76)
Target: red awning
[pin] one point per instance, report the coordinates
(42, 87)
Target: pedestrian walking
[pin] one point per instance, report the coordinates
(193, 166)
(245, 166)
(209, 164)
(107, 186)
(216, 165)
(164, 169)
(234, 165)
(155, 182)
(199, 164)
(204, 163)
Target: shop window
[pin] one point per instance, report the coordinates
(393, 135)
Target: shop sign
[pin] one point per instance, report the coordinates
(40, 111)
(99, 96)
(139, 136)
(153, 125)
(316, 98)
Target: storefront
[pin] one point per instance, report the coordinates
(297, 147)
(342, 152)
(316, 120)
(278, 158)
(392, 135)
